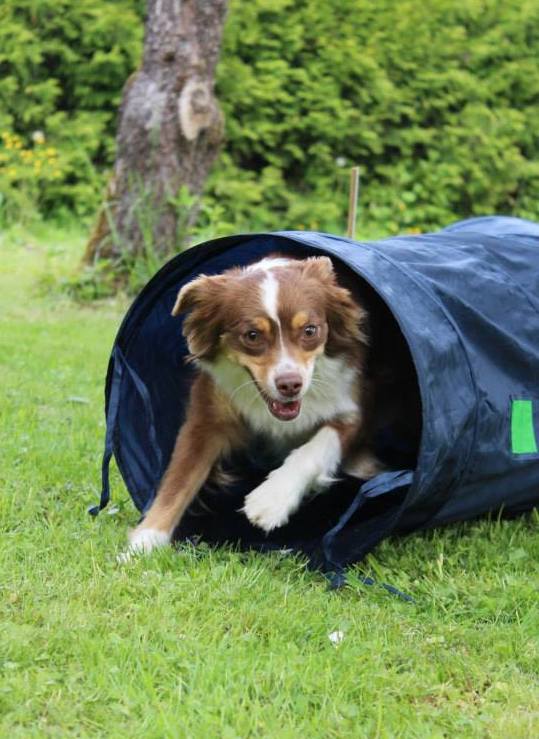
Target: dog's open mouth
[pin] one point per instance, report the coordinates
(284, 411)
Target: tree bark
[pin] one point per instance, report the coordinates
(170, 131)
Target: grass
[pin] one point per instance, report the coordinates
(214, 643)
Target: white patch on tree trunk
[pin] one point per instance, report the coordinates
(196, 108)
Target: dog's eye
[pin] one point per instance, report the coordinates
(251, 336)
(310, 330)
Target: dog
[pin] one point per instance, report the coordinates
(280, 348)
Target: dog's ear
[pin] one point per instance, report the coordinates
(199, 292)
(190, 294)
(347, 320)
(347, 323)
(319, 268)
(202, 299)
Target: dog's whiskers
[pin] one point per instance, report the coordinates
(240, 387)
(254, 397)
(319, 381)
(318, 387)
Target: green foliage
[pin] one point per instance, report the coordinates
(25, 172)
(437, 102)
(62, 67)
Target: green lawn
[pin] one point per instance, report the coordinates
(206, 643)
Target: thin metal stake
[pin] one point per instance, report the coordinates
(352, 203)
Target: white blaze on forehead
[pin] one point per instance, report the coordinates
(270, 284)
(270, 300)
(270, 297)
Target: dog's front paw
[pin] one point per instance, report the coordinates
(142, 541)
(267, 506)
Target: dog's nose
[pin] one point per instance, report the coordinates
(289, 384)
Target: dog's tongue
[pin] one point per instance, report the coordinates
(285, 411)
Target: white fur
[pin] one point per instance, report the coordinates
(312, 465)
(330, 395)
(142, 541)
(286, 364)
(270, 295)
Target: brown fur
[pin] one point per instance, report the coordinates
(210, 431)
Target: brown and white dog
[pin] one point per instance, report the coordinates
(280, 348)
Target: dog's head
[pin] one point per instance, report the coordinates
(273, 319)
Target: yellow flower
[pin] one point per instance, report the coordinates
(50, 151)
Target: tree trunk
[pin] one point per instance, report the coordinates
(170, 131)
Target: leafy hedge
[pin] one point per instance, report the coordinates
(62, 67)
(437, 101)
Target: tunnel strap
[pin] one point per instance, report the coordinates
(386, 482)
(383, 484)
(120, 365)
(112, 416)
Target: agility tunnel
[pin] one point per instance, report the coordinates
(464, 304)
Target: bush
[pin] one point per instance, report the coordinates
(437, 102)
(62, 67)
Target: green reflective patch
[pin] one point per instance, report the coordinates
(522, 433)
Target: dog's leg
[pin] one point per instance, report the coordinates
(209, 432)
(188, 470)
(196, 451)
(309, 466)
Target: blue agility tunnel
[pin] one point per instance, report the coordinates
(464, 303)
